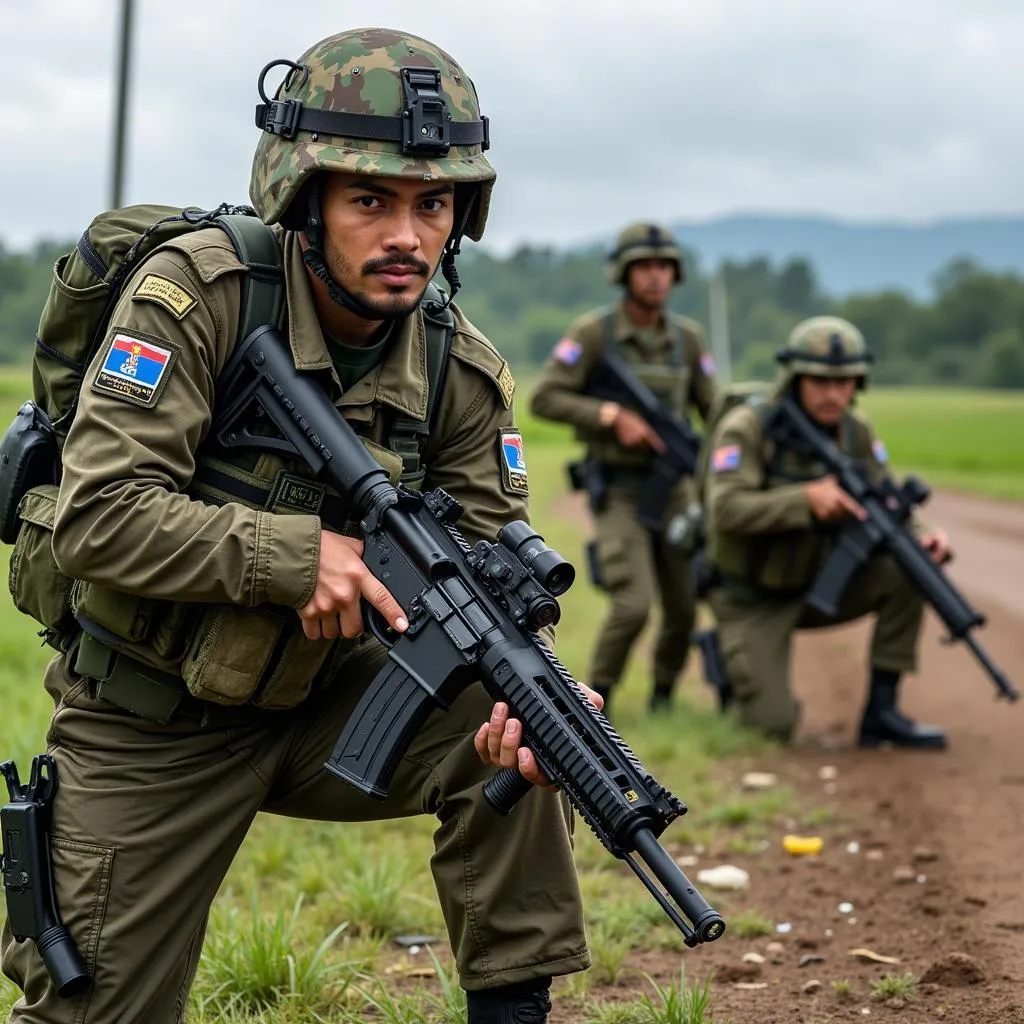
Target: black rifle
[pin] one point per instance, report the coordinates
(613, 380)
(28, 874)
(888, 506)
(472, 614)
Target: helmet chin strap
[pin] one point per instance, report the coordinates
(313, 257)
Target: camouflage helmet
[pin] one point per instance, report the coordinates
(643, 241)
(370, 101)
(825, 346)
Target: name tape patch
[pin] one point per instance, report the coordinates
(513, 461)
(725, 458)
(134, 368)
(166, 293)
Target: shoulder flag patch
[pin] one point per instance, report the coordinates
(707, 364)
(513, 461)
(568, 351)
(879, 452)
(725, 458)
(165, 293)
(134, 368)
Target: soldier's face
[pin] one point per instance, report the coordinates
(649, 282)
(825, 399)
(383, 237)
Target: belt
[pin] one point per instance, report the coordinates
(150, 692)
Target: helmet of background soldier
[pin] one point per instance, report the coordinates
(825, 346)
(643, 241)
(370, 101)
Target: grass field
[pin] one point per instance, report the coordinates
(303, 926)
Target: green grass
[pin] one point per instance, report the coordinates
(895, 986)
(962, 440)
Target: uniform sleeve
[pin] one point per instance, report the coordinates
(737, 504)
(468, 461)
(124, 519)
(702, 372)
(558, 393)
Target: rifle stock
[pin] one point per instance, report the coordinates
(473, 614)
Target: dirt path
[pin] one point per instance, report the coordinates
(952, 822)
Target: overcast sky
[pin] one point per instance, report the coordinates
(601, 111)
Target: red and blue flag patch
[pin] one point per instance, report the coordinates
(568, 351)
(513, 461)
(707, 364)
(133, 368)
(879, 452)
(725, 458)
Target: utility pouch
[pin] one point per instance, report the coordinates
(247, 655)
(28, 458)
(37, 586)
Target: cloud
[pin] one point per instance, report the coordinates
(600, 113)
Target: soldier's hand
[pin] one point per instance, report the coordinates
(342, 580)
(634, 432)
(499, 741)
(828, 501)
(937, 545)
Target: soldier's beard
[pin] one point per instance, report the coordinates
(400, 302)
(646, 302)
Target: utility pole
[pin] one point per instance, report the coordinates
(121, 104)
(718, 313)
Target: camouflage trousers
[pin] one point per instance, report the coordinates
(755, 636)
(148, 818)
(638, 567)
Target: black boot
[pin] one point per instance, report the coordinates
(661, 698)
(883, 723)
(527, 1002)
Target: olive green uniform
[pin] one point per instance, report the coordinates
(768, 548)
(150, 814)
(637, 565)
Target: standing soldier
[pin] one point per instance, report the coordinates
(666, 352)
(219, 647)
(772, 516)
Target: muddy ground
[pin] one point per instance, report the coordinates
(936, 879)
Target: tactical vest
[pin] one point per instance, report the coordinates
(669, 381)
(226, 653)
(787, 561)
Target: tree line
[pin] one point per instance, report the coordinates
(970, 333)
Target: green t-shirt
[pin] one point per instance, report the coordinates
(353, 362)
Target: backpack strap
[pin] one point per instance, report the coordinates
(263, 292)
(409, 436)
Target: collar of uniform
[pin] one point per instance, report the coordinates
(309, 350)
(400, 380)
(626, 330)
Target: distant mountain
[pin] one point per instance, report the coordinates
(849, 257)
